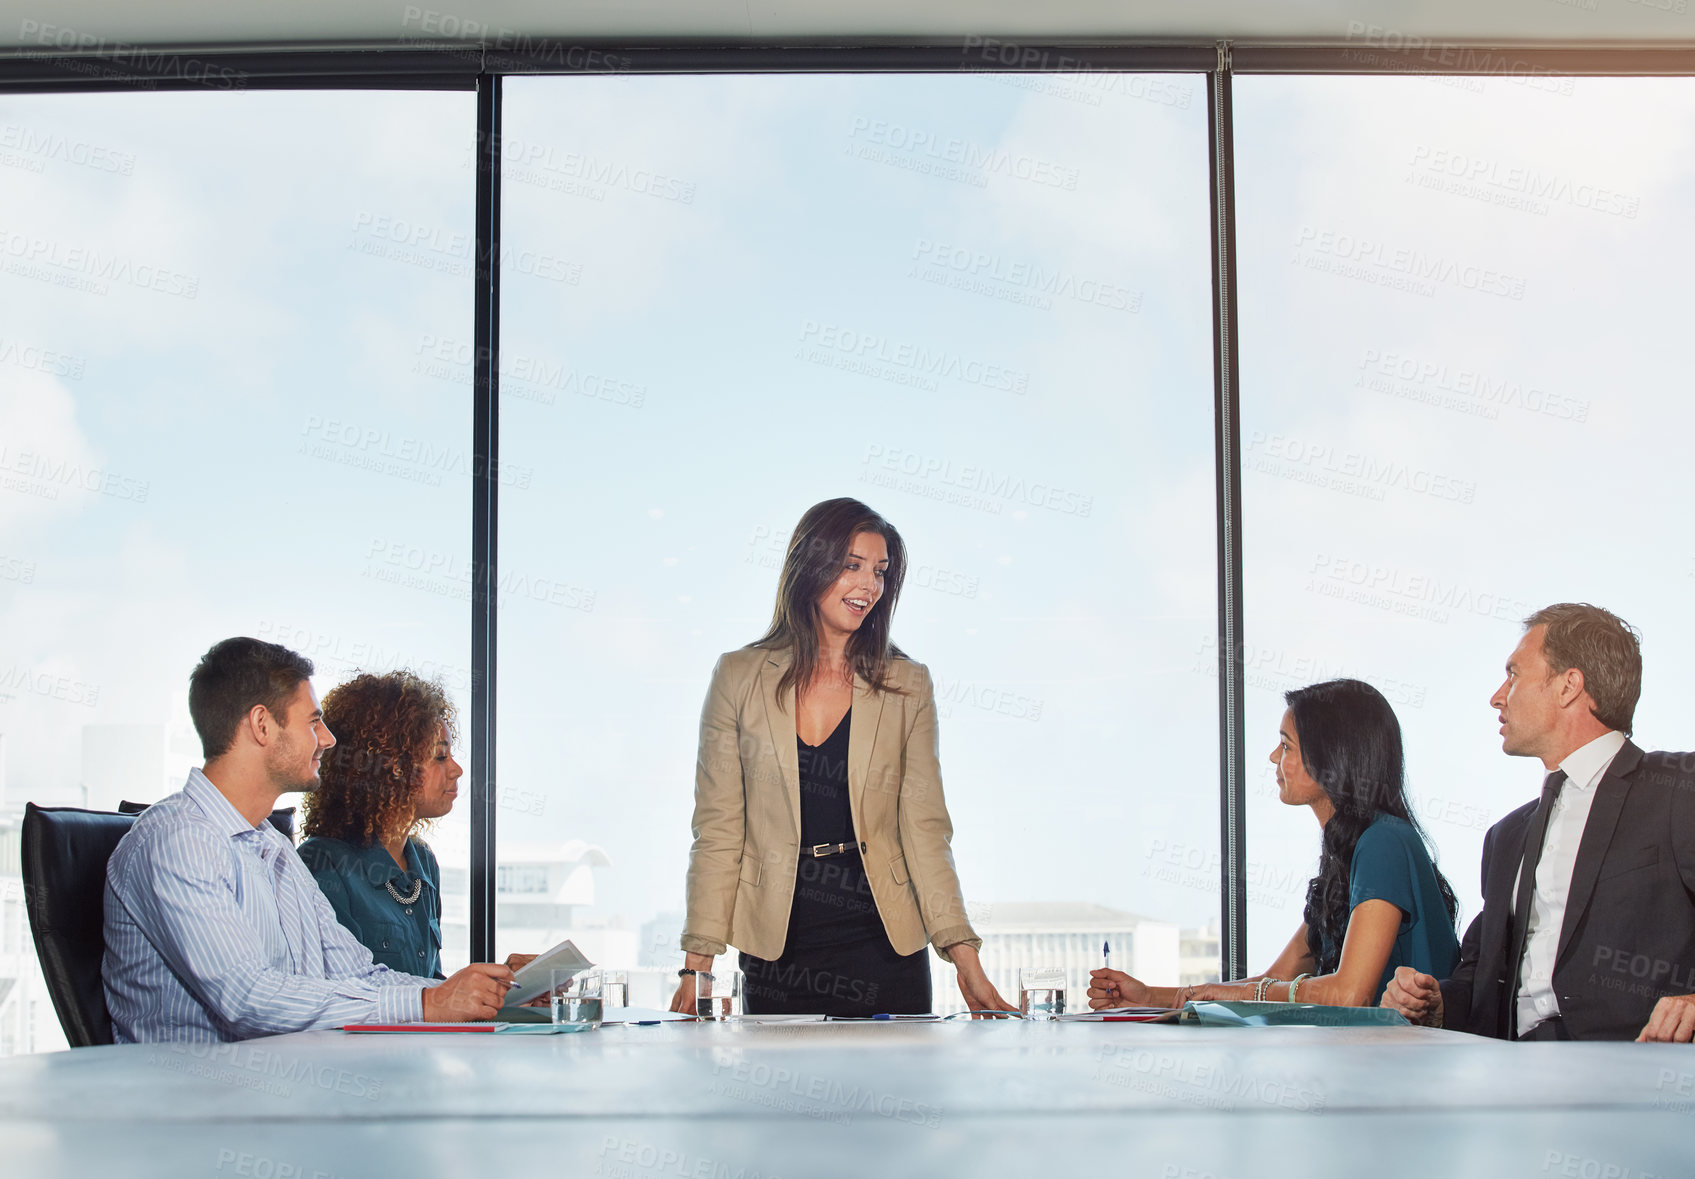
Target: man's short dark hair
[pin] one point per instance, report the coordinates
(231, 678)
(1604, 647)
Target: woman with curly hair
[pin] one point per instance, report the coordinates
(1378, 901)
(391, 772)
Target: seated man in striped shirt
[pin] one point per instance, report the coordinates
(215, 930)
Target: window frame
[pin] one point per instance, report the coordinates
(483, 68)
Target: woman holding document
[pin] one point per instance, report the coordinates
(1378, 901)
(390, 773)
(821, 838)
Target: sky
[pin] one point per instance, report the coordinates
(235, 398)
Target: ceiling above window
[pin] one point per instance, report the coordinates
(97, 24)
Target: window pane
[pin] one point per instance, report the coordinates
(219, 416)
(1458, 338)
(981, 304)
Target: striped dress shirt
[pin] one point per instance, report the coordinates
(216, 931)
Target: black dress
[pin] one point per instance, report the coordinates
(837, 959)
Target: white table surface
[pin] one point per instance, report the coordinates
(688, 1101)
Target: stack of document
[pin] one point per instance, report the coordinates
(1245, 1013)
(1124, 1015)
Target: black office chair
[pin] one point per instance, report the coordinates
(65, 850)
(282, 818)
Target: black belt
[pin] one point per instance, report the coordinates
(819, 850)
(1552, 1028)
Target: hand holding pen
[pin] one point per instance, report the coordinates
(1114, 988)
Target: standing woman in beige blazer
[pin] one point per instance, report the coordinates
(821, 838)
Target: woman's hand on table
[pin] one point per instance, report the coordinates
(1114, 988)
(683, 1001)
(974, 985)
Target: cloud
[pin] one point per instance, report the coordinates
(48, 468)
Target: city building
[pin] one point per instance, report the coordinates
(27, 1020)
(1067, 935)
(662, 936)
(1198, 955)
(543, 896)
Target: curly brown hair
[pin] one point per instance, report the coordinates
(385, 727)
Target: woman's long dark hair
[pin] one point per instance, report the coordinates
(817, 551)
(1351, 746)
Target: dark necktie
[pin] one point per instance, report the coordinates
(1533, 840)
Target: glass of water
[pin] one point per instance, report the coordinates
(1041, 993)
(718, 995)
(615, 988)
(576, 998)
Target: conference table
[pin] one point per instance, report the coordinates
(780, 1101)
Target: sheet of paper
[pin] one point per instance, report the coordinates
(535, 978)
(642, 1015)
(493, 1027)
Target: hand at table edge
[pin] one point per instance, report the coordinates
(974, 985)
(1114, 988)
(1416, 996)
(475, 993)
(1672, 1021)
(683, 1001)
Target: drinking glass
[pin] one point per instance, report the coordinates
(615, 988)
(718, 995)
(1041, 993)
(576, 999)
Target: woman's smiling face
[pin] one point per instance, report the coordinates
(856, 590)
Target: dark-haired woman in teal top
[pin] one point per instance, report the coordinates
(1378, 901)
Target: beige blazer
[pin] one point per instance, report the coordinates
(747, 811)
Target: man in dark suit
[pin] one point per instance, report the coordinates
(1588, 923)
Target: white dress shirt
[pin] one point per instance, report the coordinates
(216, 931)
(1584, 769)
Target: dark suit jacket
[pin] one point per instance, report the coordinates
(1628, 936)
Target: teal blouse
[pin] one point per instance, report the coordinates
(1391, 864)
(357, 882)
